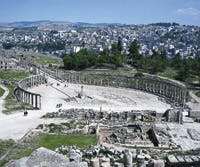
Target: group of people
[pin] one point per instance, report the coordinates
(25, 113)
(59, 105)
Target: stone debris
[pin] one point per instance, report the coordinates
(105, 156)
(156, 163)
(188, 160)
(45, 158)
(172, 159)
(194, 134)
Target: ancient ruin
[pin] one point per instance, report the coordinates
(23, 95)
(87, 104)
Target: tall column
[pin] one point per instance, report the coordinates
(25, 97)
(79, 79)
(136, 84)
(36, 101)
(32, 100)
(22, 96)
(29, 98)
(40, 106)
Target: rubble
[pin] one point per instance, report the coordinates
(45, 157)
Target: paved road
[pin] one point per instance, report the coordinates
(16, 125)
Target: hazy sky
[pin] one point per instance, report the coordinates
(102, 11)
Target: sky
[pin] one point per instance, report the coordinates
(102, 11)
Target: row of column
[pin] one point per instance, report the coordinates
(28, 97)
(32, 81)
(173, 92)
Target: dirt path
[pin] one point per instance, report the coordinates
(2, 98)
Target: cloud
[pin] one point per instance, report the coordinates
(188, 11)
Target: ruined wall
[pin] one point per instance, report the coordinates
(6, 59)
(23, 95)
(174, 115)
(194, 114)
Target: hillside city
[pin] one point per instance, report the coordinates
(61, 39)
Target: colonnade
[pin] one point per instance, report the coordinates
(171, 91)
(23, 95)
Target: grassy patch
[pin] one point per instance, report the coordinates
(58, 128)
(11, 89)
(119, 72)
(46, 60)
(43, 59)
(169, 73)
(51, 142)
(197, 93)
(12, 104)
(1, 92)
(13, 76)
(5, 145)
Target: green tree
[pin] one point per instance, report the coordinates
(119, 44)
(68, 62)
(164, 60)
(184, 71)
(157, 62)
(176, 62)
(81, 60)
(104, 56)
(134, 56)
(7, 45)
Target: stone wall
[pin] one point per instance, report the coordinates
(23, 95)
(174, 115)
(194, 114)
(8, 60)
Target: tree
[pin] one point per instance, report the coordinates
(155, 63)
(116, 57)
(176, 61)
(81, 60)
(104, 56)
(164, 60)
(134, 55)
(119, 44)
(8, 45)
(68, 62)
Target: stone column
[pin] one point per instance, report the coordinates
(22, 96)
(136, 84)
(32, 100)
(40, 101)
(36, 101)
(128, 158)
(29, 98)
(25, 98)
(79, 79)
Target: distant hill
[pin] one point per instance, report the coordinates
(35, 23)
(23, 24)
